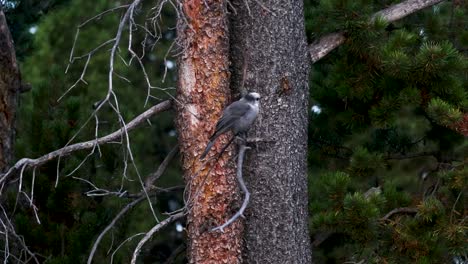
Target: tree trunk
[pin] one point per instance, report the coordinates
(270, 56)
(203, 92)
(9, 89)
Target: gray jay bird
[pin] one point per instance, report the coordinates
(237, 117)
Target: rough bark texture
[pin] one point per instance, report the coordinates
(9, 89)
(203, 93)
(269, 42)
(326, 44)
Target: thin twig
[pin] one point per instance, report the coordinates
(240, 162)
(162, 167)
(121, 244)
(112, 223)
(153, 230)
(454, 205)
(10, 230)
(175, 254)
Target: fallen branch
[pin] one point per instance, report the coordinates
(326, 44)
(163, 106)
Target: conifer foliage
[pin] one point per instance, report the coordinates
(388, 146)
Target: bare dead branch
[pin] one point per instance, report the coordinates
(153, 230)
(89, 54)
(326, 44)
(454, 205)
(127, 21)
(121, 244)
(111, 97)
(402, 210)
(320, 237)
(240, 162)
(165, 60)
(175, 254)
(161, 169)
(403, 9)
(100, 15)
(157, 190)
(26, 162)
(124, 210)
(9, 232)
(111, 225)
(149, 186)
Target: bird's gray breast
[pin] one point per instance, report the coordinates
(246, 120)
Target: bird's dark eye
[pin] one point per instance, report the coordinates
(257, 99)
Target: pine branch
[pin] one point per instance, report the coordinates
(322, 236)
(326, 44)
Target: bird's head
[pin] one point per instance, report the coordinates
(252, 98)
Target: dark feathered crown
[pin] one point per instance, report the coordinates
(252, 97)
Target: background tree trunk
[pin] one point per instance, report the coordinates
(10, 83)
(269, 55)
(203, 93)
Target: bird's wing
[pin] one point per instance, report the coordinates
(230, 115)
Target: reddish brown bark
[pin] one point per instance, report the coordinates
(9, 88)
(203, 93)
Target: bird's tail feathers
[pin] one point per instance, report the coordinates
(207, 149)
